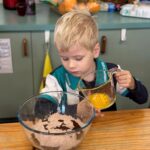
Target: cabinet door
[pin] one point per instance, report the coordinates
(39, 50)
(38, 58)
(132, 54)
(16, 87)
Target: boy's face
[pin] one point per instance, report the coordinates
(78, 60)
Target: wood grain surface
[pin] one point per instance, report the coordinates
(118, 130)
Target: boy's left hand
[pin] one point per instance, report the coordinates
(125, 79)
(99, 113)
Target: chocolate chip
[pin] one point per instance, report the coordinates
(60, 120)
(45, 126)
(76, 125)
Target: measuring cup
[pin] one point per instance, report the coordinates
(98, 87)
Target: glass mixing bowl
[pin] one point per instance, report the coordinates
(56, 120)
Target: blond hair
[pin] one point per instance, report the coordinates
(76, 27)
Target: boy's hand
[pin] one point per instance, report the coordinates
(99, 113)
(125, 79)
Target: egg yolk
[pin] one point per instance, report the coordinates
(100, 100)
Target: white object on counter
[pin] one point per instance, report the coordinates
(140, 10)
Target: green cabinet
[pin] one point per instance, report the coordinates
(25, 80)
(132, 54)
(16, 87)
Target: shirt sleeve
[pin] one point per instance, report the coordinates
(139, 94)
(51, 84)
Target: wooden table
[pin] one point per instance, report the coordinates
(119, 130)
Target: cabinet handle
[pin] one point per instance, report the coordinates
(25, 45)
(103, 44)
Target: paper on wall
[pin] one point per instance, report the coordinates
(5, 56)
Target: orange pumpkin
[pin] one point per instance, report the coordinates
(61, 8)
(66, 6)
(93, 7)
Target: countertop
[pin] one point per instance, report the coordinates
(117, 130)
(45, 19)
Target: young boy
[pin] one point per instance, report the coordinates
(76, 38)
